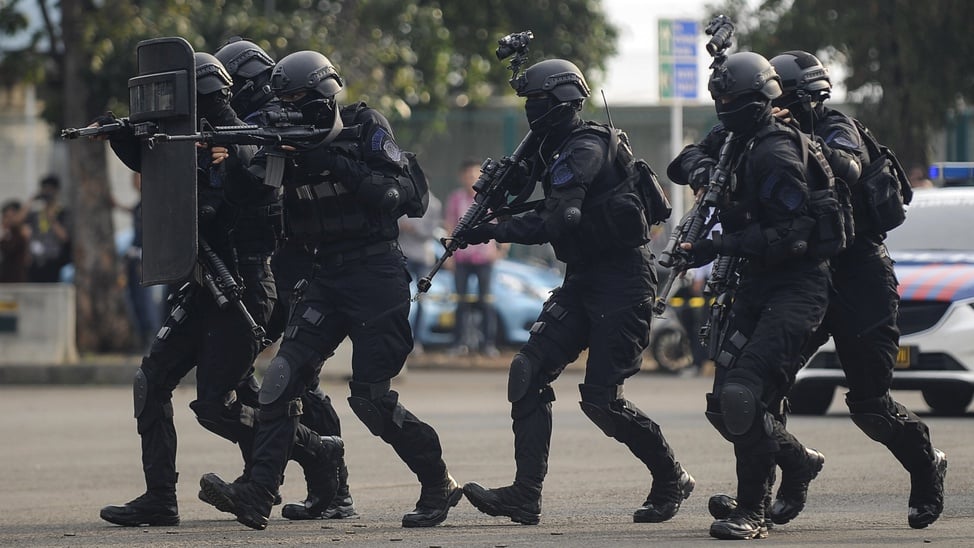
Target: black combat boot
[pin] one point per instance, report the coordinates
(321, 461)
(520, 503)
(664, 499)
(926, 492)
(793, 491)
(741, 524)
(721, 505)
(341, 507)
(434, 503)
(219, 504)
(248, 501)
(151, 508)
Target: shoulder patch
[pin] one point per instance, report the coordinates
(561, 174)
(381, 141)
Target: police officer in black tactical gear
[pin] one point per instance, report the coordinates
(251, 67)
(783, 290)
(604, 304)
(343, 198)
(241, 224)
(863, 304)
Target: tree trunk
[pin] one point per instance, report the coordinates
(103, 324)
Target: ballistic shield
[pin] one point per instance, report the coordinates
(164, 92)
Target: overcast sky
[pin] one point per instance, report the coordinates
(632, 74)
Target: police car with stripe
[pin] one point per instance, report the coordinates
(934, 260)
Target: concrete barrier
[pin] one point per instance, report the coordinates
(37, 324)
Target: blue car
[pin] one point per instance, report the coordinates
(934, 254)
(520, 290)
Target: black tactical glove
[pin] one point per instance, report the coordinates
(700, 176)
(704, 251)
(479, 234)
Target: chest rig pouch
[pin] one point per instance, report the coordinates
(613, 214)
(321, 206)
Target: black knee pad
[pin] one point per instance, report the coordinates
(597, 405)
(532, 401)
(521, 377)
(716, 417)
(374, 403)
(276, 380)
(150, 398)
(746, 418)
(140, 391)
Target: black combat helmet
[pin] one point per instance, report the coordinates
(558, 77)
(211, 75)
(212, 89)
(311, 73)
(804, 80)
(306, 71)
(555, 90)
(743, 87)
(250, 67)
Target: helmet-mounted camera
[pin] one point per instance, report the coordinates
(515, 44)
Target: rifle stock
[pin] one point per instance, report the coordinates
(492, 190)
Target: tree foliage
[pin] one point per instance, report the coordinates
(399, 56)
(908, 64)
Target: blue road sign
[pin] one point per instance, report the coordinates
(678, 58)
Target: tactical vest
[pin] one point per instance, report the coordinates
(613, 214)
(830, 201)
(321, 208)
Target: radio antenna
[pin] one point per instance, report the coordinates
(606, 105)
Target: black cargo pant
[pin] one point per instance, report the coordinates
(773, 315)
(220, 344)
(606, 307)
(367, 300)
(861, 319)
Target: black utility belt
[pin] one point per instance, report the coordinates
(353, 255)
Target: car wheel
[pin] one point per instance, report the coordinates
(949, 400)
(670, 349)
(810, 399)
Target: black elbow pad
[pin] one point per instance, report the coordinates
(380, 191)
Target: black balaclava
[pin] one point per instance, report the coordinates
(744, 112)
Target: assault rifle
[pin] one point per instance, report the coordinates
(493, 191)
(294, 135)
(279, 134)
(720, 291)
(696, 222)
(216, 277)
(141, 129)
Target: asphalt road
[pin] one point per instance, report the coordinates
(67, 451)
